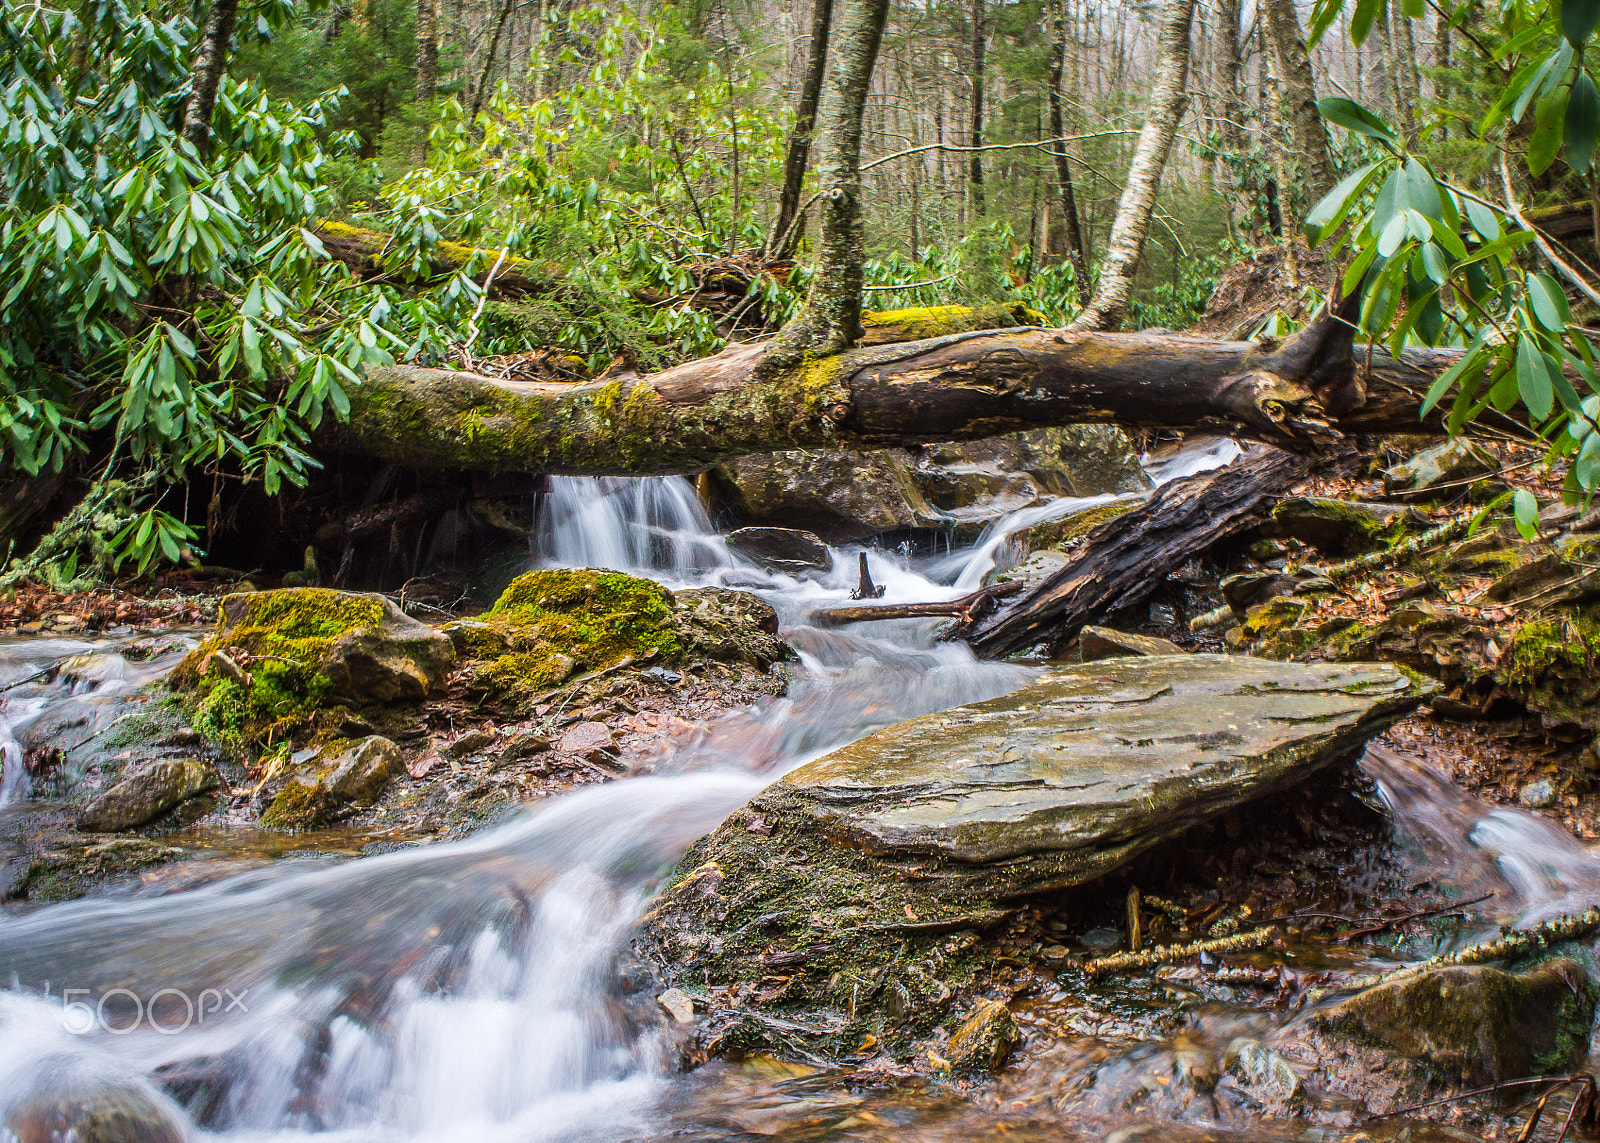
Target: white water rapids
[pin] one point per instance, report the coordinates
(470, 991)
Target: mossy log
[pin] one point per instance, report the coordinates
(363, 251)
(958, 386)
(1128, 557)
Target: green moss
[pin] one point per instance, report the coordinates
(548, 623)
(1060, 533)
(920, 322)
(281, 640)
(1566, 645)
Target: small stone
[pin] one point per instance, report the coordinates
(678, 1005)
(1105, 643)
(1056, 954)
(1102, 940)
(1262, 1073)
(985, 1040)
(524, 746)
(1163, 615)
(360, 774)
(587, 739)
(1538, 795)
(472, 742)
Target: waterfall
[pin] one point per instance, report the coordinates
(632, 524)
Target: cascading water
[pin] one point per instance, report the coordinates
(471, 990)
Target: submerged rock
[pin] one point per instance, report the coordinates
(1477, 1023)
(146, 793)
(939, 823)
(984, 1041)
(106, 1115)
(781, 549)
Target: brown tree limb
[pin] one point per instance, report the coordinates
(363, 251)
(967, 607)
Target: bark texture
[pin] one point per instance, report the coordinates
(210, 63)
(1125, 559)
(785, 234)
(1132, 224)
(961, 386)
(975, 161)
(427, 50)
(1077, 249)
(830, 320)
(1300, 93)
(362, 250)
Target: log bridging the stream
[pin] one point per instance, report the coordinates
(971, 606)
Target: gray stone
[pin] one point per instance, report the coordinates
(678, 1005)
(472, 742)
(1451, 463)
(1106, 643)
(728, 625)
(359, 774)
(850, 495)
(1477, 1023)
(1538, 795)
(1263, 1074)
(781, 549)
(146, 792)
(939, 823)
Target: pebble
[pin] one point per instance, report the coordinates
(587, 739)
(471, 742)
(1538, 795)
(1102, 940)
(678, 1005)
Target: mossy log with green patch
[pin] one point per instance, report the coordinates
(364, 252)
(959, 386)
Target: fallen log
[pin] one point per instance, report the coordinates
(962, 386)
(967, 607)
(364, 250)
(1126, 558)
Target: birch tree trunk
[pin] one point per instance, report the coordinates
(211, 61)
(785, 234)
(1299, 89)
(1077, 249)
(1132, 224)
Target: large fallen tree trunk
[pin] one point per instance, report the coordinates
(364, 250)
(1126, 558)
(957, 387)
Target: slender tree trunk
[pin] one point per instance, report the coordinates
(975, 161)
(830, 320)
(487, 74)
(1077, 249)
(1299, 89)
(1132, 224)
(427, 50)
(211, 61)
(784, 233)
(1230, 78)
(1406, 73)
(1276, 148)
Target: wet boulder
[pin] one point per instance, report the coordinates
(850, 495)
(1107, 643)
(1477, 1023)
(147, 792)
(731, 626)
(940, 823)
(355, 776)
(781, 549)
(111, 1115)
(1340, 527)
(984, 1039)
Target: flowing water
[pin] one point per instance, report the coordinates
(473, 991)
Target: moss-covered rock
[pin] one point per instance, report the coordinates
(548, 625)
(355, 776)
(1476, 1023)
(284, 657)
(1055, 534)
(147, 792)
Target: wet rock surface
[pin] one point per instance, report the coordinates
(1477, 1023)
(938, 824)
(781, 549)
(1107, 643)
(847, 495)
(355, 775)
(147, 793)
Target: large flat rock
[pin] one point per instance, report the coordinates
(851, 867)
(1067, 778)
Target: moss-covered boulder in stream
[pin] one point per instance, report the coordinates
(549, 625)
(283, 658)
(846, 886)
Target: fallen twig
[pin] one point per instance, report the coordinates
(1442, 910)
(1163, 954)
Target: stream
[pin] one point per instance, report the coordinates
(478, 990)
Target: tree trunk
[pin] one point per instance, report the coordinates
(1230, 79)
(1299, 88)
(1127, 558)
(211, 61)
(1077, 249)
(1132, 224)
(427, 50)
(975, 160)
(784, 234)
(900, 392)
(488, 60)
(830, 320)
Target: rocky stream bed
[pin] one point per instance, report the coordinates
(1287, 849)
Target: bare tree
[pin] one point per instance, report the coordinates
(427, 50)
(975, 162)
(1300, 92)
(1077, 249)
(211, 61)
(1132, 224)
(784, 234)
